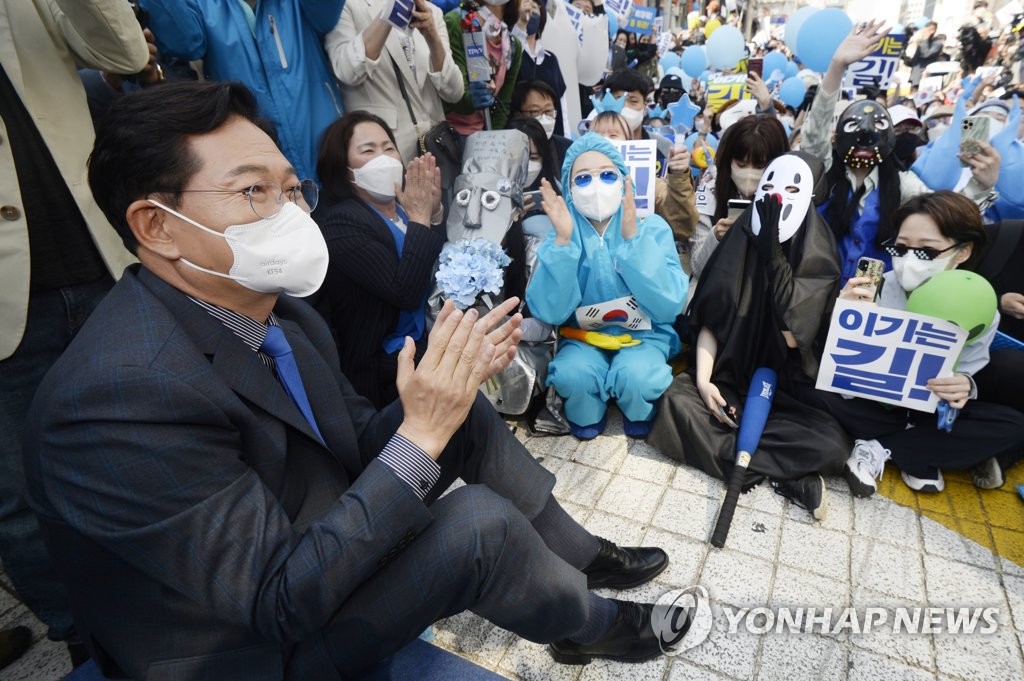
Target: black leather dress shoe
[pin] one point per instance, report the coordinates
(616, 567)
(13, 644)
(631, 638)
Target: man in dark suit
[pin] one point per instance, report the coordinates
(220, 502)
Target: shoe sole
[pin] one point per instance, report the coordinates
(579, 660)
(611, 584)
(857, 487)
(821, 512)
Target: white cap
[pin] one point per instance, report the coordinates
(903, 114)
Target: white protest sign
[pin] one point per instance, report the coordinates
(641, 157)
(887, 355)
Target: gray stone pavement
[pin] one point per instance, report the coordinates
(868, 553)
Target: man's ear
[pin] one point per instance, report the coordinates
(148, 225)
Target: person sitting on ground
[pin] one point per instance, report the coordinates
(935, 232)
(199, 442)
(761, 302)
(605, 270)
(383, 242)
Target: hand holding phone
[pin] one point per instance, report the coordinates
(756, 65)
(872, 269)
(973, 129)
(736, 208)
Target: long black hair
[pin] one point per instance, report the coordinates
(844, 202)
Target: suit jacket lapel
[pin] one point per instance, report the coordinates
(233, 361)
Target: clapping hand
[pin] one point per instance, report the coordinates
(556, 210)
(421, 197)
(628, 211)
(462, 352)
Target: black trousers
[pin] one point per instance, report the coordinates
(1002, 379)
(481, 553)
(982, 431)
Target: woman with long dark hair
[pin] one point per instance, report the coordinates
(746, 149)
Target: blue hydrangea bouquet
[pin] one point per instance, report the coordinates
(470, 267)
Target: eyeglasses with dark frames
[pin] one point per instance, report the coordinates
(267, 197)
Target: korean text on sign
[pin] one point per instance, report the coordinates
(725, 86)
(888, 355)
(642, 20)
(877, 66)
(641, 159)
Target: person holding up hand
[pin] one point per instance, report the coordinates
(383, 241)
(199, 441)
(604, 269)
(378, 67)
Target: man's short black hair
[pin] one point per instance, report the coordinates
(142, 147)
(628, 80)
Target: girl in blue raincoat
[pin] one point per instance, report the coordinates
(614, 283)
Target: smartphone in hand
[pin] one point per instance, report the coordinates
(973, 129)
(736, 208)
(873, 269)
(756, 65)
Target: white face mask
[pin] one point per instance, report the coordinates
(548, 123)
(911, 271)
(633, 117)
(379, 176)
(746, 179)
(533, 169)
(283, 254)
(598, 201)
(790, 178)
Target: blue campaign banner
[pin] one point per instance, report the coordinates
(641, 21)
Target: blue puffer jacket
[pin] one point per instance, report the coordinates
(280, 58)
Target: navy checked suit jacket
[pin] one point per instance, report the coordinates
(200, 526)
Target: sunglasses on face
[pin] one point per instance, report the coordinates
(926, 253)
(584, 179)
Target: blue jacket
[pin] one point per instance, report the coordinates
(592, 269)
(281, 59)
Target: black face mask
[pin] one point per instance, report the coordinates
(864, 134)
(670, 95)
(905, 146)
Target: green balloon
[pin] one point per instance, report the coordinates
(958, 296)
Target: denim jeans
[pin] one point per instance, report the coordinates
(53, 319)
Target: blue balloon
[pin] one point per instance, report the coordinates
(705, 77)
(791, 69)
(820, 36)
(613, 24)
(669, 60)
(773, 61)
(725, 47)
(694, 60)
(792, 91)
(794, 23)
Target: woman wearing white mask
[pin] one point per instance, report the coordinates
(746, 149)
(383, 241)
(937, 232)
(605, 270)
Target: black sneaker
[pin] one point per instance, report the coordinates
(808, 492)
(13, 644)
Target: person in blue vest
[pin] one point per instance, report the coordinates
(383, 242)
(605, 270)
(866, 182)
(274, 47)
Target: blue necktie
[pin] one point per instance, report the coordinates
(276, 345)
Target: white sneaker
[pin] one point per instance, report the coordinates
(987, 474)
(865, 465)
(924, 484)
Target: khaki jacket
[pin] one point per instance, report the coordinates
(40, 43)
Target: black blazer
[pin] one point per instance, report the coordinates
(367, 285)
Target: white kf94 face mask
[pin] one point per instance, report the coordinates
(379, 176)
(283, 254)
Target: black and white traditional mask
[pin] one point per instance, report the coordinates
(864, 134)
